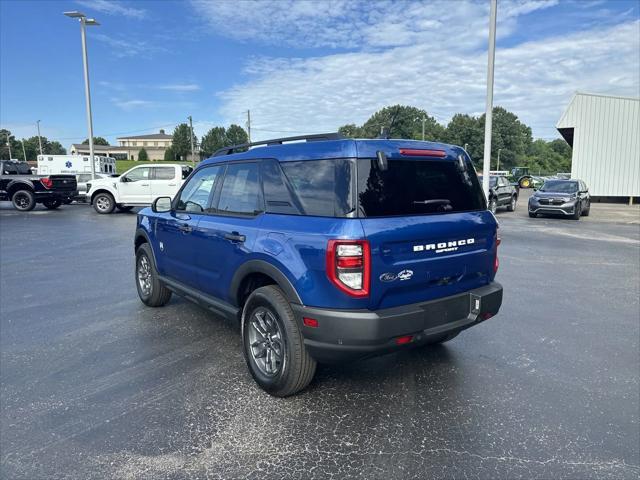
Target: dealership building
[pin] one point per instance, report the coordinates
(128, 148)
(604, 132)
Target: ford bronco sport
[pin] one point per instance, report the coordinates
(326, 249)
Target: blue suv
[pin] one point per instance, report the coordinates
(326, 249)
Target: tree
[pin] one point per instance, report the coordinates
(213, 140)
(236, 135)
(7, 140)
(169, 155)
(400, 121)
(510, 136)
(142, 155)
(181, 141)
(351, 131)
(466, 130)
(96, 141)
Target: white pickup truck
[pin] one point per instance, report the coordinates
(137, 187)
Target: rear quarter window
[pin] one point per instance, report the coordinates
(322, 187)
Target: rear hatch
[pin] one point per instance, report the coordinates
(425, 218)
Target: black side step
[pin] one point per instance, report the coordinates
(210, 303)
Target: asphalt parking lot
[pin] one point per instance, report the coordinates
(96, 385)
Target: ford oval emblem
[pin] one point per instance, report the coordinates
(388, 277)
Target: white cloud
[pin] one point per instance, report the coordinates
(134, 104)
(128, 47)
(109, 7)
(534, 79)
(180, 87)
(361, 24)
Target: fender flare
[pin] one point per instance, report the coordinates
(20, 183)
(141, 232)
(260, 266)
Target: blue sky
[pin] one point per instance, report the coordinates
(304, 66)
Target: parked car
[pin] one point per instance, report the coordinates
(137, 187)
(25, 190)
(501, 193)
(561, 197)
(326, 250)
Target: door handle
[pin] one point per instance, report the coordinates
(185, 228)
(172, 184)
(235, 237)
(144, 184)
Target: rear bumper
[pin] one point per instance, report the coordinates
(43, 195)
(350, 334)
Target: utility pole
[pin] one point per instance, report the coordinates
(498, 166)
(486, 165)
(39, 140)
(424, 119)
(84, 21)
(9, 145)
(193, 158)
(466, 147)
(249, 125)
(24, 151)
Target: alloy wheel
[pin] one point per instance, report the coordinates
(103, 203)
(144, 275)
(266, 343)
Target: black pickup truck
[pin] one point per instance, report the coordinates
(24, 189)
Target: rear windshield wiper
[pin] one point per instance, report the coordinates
(434, 201)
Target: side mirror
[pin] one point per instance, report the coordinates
(161, 205)
(382, 160)
(124, 179)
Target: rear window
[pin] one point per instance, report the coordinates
(323, 187)
(418, 187)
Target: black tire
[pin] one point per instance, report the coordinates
(157, 294)
(578, 211)
(493, 205)
(533, 215)
(512, 204)
(123, 208)
(267, 309)
(104, 203)
(23, 200)
(67, 201)
(585, 213)
(52, 204)
(445, 337)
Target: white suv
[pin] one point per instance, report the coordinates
(137, 187)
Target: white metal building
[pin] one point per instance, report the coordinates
(604, 132)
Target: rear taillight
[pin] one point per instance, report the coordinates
(46, 182)
(349, 266)
(496, 262)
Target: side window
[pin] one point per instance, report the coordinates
(186, 171)
(194, 197)
(138, 174)
(9, 169)
(277, 197)
(241, 190)
(164, 173)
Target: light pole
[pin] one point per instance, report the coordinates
(193, 157)
(249, 125)
(39, 139)
(84, 21)
(423, 120)
(486, 162)
(24, 152)
(498, 166)
(9, 145)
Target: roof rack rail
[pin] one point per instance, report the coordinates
(279, 141)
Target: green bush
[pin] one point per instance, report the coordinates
(142, 155)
